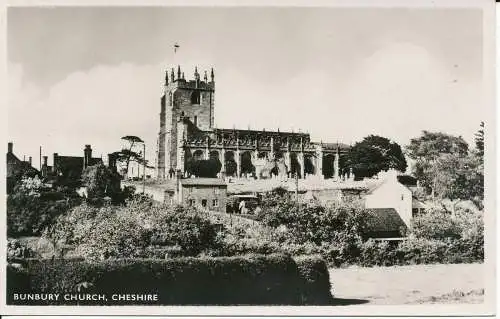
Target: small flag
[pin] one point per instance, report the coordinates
(176, 46)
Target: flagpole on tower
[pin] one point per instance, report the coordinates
(176, 48)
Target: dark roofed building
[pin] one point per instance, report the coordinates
(17, 168)
(385, 223)
(70, 168)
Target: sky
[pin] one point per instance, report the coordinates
(92, 75)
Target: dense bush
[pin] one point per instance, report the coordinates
(315, 278)
(436, 224)
(31, 207)
(314, 222)
(257, 280)
(112, 232)
(418, 251)
(185, 227)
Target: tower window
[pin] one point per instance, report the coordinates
(195, 97)
(170, 100)
(196, 121)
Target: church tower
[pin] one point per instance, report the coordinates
(185, 105)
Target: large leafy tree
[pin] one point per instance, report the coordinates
(204, 168)
(446, 168)
(374, 154)
(431, 145)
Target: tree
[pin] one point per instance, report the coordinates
(31, 207)
(479, 139)
(101, 181)
(127, 155)
(458, 177)
(430, 145)
(204, 168)
(374, 154)
(446, 168)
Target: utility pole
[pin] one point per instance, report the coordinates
(40, 158)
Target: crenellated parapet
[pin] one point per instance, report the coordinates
(196, 83)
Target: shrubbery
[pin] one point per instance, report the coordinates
(256, 280)
(339, 235)
(435, 237)
(132, 231)
(144, 229)
(31, 207)
(312, 222)
(313, 272)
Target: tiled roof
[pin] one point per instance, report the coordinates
(15, 164)
(203, 182)
(72, 166)
(384, 220)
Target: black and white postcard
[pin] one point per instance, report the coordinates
(249, 158)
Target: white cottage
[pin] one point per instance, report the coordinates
(393, 205)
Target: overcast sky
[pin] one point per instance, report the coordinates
(91, 75)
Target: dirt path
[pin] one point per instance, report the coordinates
(463, 283)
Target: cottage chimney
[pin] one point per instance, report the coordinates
(44, 166)
(10, 147)
(29, 160)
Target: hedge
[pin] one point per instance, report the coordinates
(315, 278)
(414, 251)
(247, 280)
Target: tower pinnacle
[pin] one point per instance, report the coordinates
(196, 74)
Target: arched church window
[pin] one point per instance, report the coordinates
(195, 97)
(170, 100)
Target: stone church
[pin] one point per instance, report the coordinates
(187, 134)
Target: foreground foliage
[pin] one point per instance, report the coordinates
(133, 231)
(32, 207)
(250, 280)
(144, 229)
